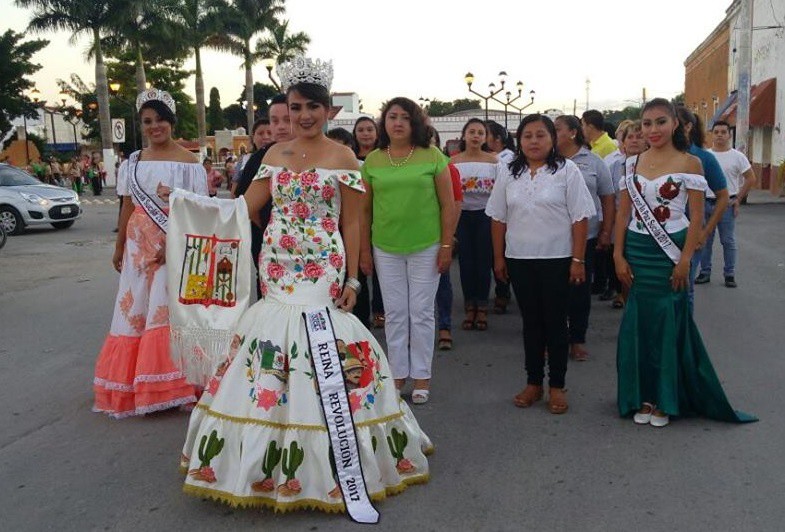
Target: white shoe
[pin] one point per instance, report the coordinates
(420, 397)
(659, 421)
(643, 419)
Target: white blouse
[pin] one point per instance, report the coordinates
(477, 179)
(188, 176)
(539, 210)
(666, 196)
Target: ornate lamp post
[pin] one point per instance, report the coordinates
(42, 103)
(508, 101)
(492, 90)
(520, 109)
(269, 63)
(114, 91)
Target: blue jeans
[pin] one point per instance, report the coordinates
(444, 302)
(727, 230)
(475, 257)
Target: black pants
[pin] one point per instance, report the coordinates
(475, 257)
(542, 289)
(580, 298)
(603, 267)
(365, 303)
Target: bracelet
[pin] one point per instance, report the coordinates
(579, 261)
(446, 246)
(354, 284)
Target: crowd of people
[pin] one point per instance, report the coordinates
(366, 223)
(80, 173)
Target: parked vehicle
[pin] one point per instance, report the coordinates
(26, 201)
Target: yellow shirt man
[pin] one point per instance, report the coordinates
(603, 146)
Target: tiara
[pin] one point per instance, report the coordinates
(159, 95)
(305, 70)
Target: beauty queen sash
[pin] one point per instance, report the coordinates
(651, 224)
(335, 403)
(147, 203)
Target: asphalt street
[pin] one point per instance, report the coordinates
(496, 467)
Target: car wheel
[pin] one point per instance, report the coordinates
(11, 220)
(63, 225)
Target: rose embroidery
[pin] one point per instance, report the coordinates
(284, 178)
(335, 291)
(662, 213)
(328, 224)
(301, 210)
(328, 192)
(275, 270)
(336, 260)
(313, 270)
(309, 179)
(287, 242)
(669, 190)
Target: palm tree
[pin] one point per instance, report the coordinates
(92, 17)
(282, 45)
(198, 23)
(245, 19)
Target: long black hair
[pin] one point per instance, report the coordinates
(498, 131)
(573, 123)
(554, 160)
(462, 145)
(354, 132)
(417, 120)
(680, 141)
(696, 131)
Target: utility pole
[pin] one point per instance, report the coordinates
(588, 82)
(643, 97)
(744, 47)
(575, 107)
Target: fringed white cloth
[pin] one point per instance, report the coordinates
(208, 253)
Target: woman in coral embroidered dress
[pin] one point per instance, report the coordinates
(258, 435)
(134, 373)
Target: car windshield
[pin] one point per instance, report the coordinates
(13, 177)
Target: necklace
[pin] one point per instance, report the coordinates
(402, 163)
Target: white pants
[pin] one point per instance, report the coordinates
(409, 284)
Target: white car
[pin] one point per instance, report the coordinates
(24, 200)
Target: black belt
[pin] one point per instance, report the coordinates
(714, 200)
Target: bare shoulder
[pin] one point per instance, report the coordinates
(275, 153)
(457, 158)
(346, 158)
(693, 164)
(184, 156)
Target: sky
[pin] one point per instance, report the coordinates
(423, 49)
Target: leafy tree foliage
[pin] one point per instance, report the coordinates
(14, 69)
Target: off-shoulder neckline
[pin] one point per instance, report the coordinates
(668, 175)
(315, 168)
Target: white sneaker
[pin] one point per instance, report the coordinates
(659, 421)
(641, 418)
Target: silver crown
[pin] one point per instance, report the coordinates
(302, 69)
(157, 95)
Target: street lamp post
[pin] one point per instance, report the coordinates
(42, 103)
(114, 90)
(73, 117)
(520, 109)
(508, 101)
(492, 90)
(269, 63)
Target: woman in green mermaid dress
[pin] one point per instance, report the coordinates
(663, 367)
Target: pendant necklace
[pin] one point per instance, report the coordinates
(402, 163)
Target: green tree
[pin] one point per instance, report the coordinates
(244, 20)
(87, 104)
(93, 17)
(234, 116)
(215, 117)
(14, 69)
(678, 99)
(198, 23)
(282, 45)
(631, 112)
(440, 108)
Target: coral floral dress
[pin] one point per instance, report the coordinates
(134, 373)
(258, 435)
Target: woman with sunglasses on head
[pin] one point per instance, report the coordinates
(663, 367)
(260, 435)
(540, 210)
(134, 373)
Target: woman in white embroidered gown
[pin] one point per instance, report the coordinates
(258, 435)
(134, 373)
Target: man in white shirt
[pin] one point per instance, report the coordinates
(741, 178)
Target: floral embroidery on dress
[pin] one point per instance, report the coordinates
(303, 242)
(666, 193)
(483, 185)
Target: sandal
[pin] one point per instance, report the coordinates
(500, 305)
(618, 302)
(471, 315)
(445, 340)
(557, 401)
(378, 321)
(579, 354)
(530, 395)
(481, 319)
(420, 397)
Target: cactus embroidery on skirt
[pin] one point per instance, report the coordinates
(272, 457)
(292, 459)
(397, 443)
(208, 449)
